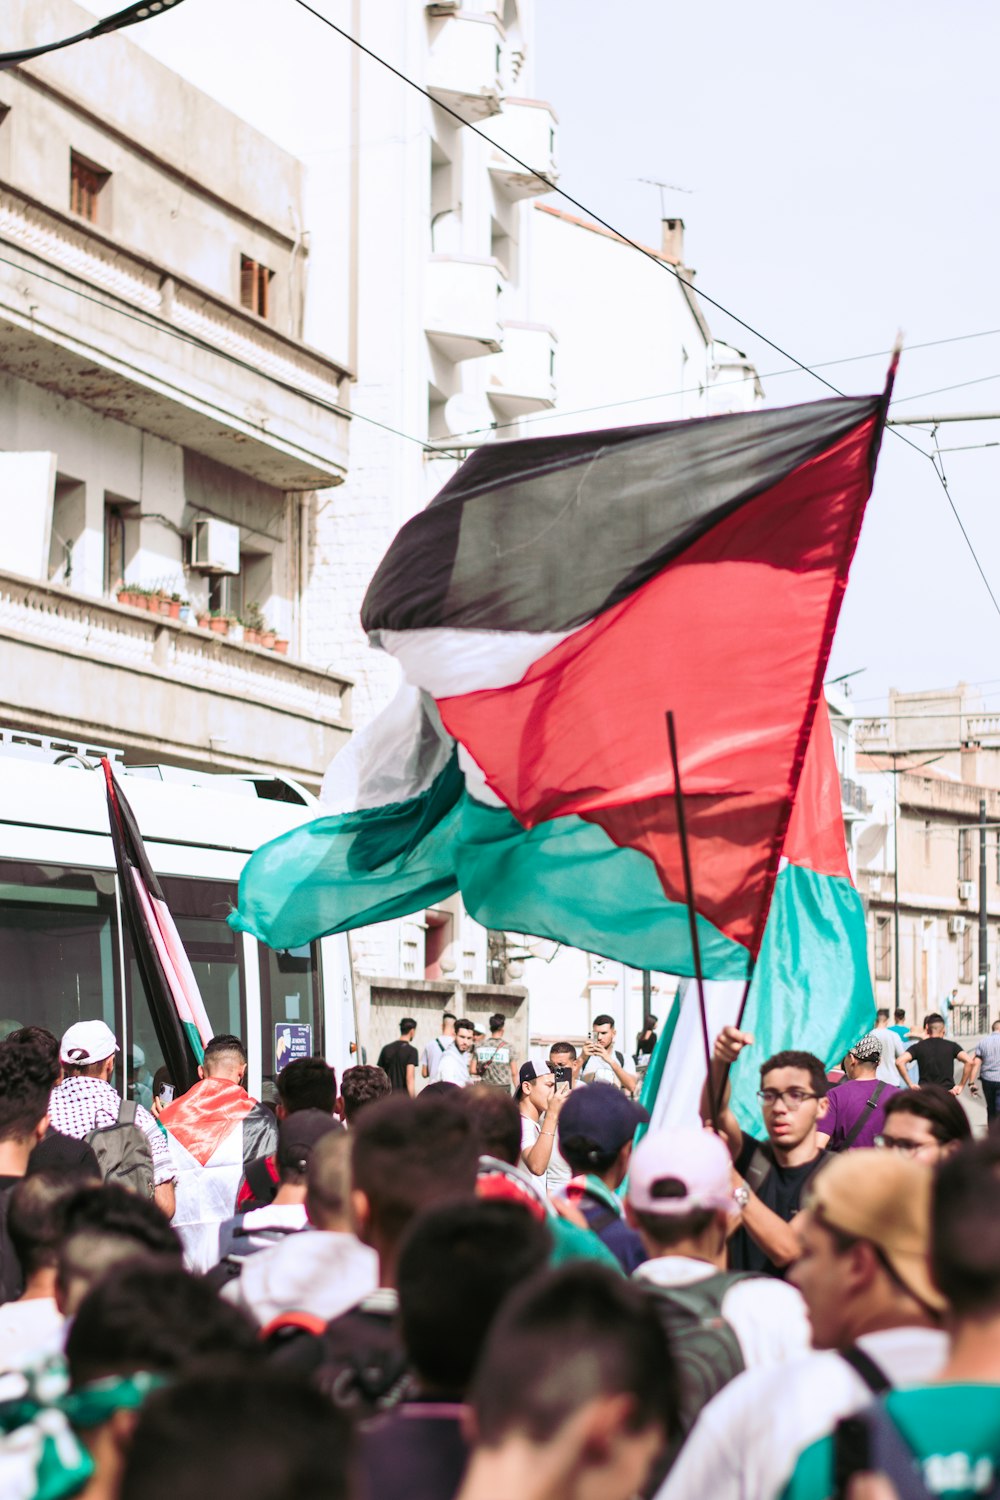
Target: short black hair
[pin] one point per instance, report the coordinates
(965, 1230)
(223, 1045)
(107, 1226)
(496, 1122)
(407, 1157)
(457, 1264)
(447, 1016)
(257, 1434)
(806, 1061)
(603, 1020)
(24, 1092)
(672, 1229)
(407, 1024)
(935, 1104)
(562, 1339)
(362, 1085)
(464, 1025)
(933, 1020)
(497, 1021)
(155, 1317)
(307, 1083)
(36, 1220)
(900, 1015)
(43, 1045)
(880, 1013)
(565, 1049)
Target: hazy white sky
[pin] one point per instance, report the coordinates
(842, 158)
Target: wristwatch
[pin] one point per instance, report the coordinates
(741, 1196)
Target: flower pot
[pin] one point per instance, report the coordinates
(219, 626)
(281, 647)
(250, 637)
(124, 596)
(267, 639)
(204, 622)
(174, 608)
(164, 607)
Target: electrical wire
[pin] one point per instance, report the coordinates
(940, 390)
(938, 466)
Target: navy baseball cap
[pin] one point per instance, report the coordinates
(601, 1114)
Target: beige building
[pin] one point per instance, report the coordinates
(936, 755)
(163, 424)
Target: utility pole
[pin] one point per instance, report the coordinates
(984, 967)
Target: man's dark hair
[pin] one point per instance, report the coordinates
(495, 1120)
(24, 1092)
(447, 1016)
(464, 1026)
(936, 1105)
(498, 1021)
(41, 1044)
(564, 1338)
(933, 1020)
(407, 1157)
(260, 1435)
(457, 1264)
(965, 1230)
(307, 1083)
(362, 1085)
(583, 1155)
(223, 1046)
(603, 1020)
(807, 1062)
(439, 1089)
(563, 1049)
(106, 1227)
(36, 1220)
(406, 1025)
(153, 1316)
(881, 1015)
(900, 1015)
(669, 1230)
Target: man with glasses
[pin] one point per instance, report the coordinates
(775, 1171)
(927, 1123)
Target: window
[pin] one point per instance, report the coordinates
(121, 541)
(438, 962)
(255, 286)
(883, 948)
(965, 973)
(290, 1011)
(86, 184)
(965, 854)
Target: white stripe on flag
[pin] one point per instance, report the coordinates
(678, 1096)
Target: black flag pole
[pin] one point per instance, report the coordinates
(692, 914)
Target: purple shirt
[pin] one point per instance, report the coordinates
(846, 1102)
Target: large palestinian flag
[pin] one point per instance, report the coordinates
(547, 608)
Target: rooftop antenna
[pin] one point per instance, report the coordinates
(664, 187)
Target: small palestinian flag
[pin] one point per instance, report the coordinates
(547, 608)
(178, 1012)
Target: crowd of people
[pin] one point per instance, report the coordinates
(459, 1275)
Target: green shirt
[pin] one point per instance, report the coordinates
(953, 1431)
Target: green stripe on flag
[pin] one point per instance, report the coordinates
(194, 1040)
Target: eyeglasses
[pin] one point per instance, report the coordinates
(791, 1098)
(896, 1143)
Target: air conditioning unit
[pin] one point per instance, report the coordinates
(215, 547)
(966, 890)
(957, 925)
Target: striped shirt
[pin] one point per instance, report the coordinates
(989, 1051)
(79, 1105)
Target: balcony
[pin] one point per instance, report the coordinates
(522, 377)
(463, 66)
(162, 689)
(103, 328)
(526, 127)
(462, 317)
(854, 799)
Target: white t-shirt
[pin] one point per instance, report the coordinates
(433, 1053)
(893, 1046)
(768, 1316)
(319, 1271)
(29, 1332)
(454, 1067)
(745, 1443)
(558, 1170)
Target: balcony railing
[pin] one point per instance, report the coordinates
(73, 663)
(522, 377)
(527, 128)
(463, 66)
(462, 316)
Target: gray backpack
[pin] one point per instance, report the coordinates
(123, 1153)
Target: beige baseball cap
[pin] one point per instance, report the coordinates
(885, 1198)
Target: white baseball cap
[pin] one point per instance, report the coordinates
(678, 1171)
(87, 1042)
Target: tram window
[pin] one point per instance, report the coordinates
(290, 1009)
(215, 952)
(58, 946)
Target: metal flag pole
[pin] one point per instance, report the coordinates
(692, 914)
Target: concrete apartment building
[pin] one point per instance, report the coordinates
(163, 423)
(936, 755)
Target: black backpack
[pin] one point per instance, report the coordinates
(870, 1442)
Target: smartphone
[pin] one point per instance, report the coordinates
(166, 1093)
(564, 1079)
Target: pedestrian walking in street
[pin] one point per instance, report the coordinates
(399, 1060)
(935, 1058)
(855, 1109)
(434, 1051)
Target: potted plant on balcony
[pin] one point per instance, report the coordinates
(253, 624)
(124, 594)
(268, 638)
(218, 622)
(281, 646)
(204, 619)
(176, 602)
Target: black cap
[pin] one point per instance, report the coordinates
(298, 1134)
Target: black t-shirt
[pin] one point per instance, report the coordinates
(11, 1279)
(781, 1191)
(935, 1060)
(416, 1452)
(394, 1059)
(65, 1156)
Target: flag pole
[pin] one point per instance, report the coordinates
(692, 915)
